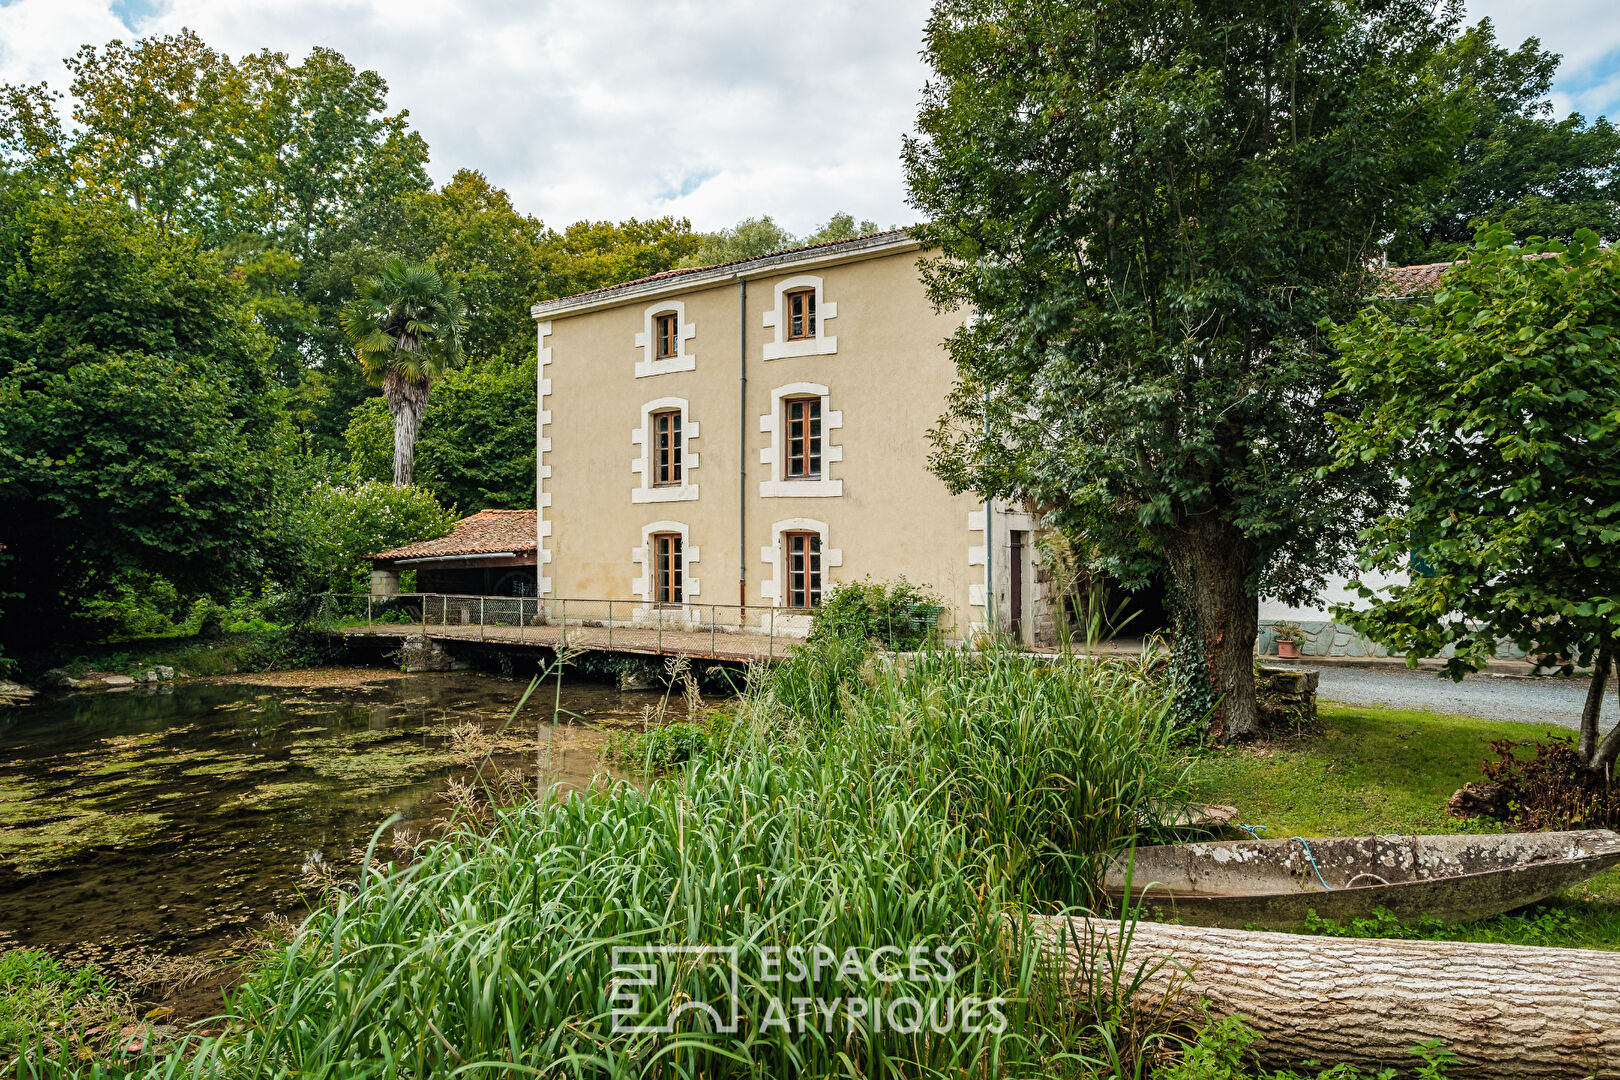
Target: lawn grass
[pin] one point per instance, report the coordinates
(1369, 770)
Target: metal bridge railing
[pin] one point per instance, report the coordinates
(632, 625)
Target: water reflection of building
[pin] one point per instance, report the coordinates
(491, 553)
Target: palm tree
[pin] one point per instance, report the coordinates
(406, 327)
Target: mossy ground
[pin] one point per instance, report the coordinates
(1367, 770)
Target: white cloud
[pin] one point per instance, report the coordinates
(607, 108)
(604, 109)
(1586, 33)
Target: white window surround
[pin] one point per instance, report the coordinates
(683, 360)
(775, 557)
(642, 463)
(641, 585)
(542, 471)
(821, 344)
(778, 486)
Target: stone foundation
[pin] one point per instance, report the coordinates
(1336, 639)
(419, 653)
(1287, 695)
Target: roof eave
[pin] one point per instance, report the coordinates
(856, 250)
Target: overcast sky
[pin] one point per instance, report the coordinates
(611, 108)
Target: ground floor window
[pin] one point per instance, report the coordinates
(666, 568)
(803, 569)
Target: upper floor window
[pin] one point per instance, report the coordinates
(803, 569)
(667, 335)
(667, 587)
(801, 314)
(665, 339)
(802, 438)
(666, 448)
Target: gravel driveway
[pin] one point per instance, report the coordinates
(1548, 699)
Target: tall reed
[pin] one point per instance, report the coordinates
(866, 805)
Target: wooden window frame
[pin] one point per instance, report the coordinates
(666, 573)
(666, 335)
(806, 330)
(804, 584)
(802, 439)
(666, 457)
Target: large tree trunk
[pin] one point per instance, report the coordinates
(407, 400)
(1504, 1010)
(1212, 564)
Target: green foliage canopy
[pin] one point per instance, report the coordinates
(139, 428)
(1498, 406)
(1519, 166)
(1149, 207)
(476, 451)
(344, 523)
(752, 237)
(221, 148)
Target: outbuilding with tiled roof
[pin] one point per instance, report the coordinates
(491, 553)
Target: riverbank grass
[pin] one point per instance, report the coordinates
(1368, 770)
(878, 825)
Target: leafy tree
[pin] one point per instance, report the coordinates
(343, 523)
(1498, 407)
(225, 149)
(747, 239)
(139, 428)
(469, 228)
(592, 254)
(406, 327)
(476, 451)
(752, 237)
(1149, 207)
(841, 226)
(1519, 167)
(31, 136)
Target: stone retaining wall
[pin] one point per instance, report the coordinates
(1336, 639)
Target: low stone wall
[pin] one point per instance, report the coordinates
(1287, 696)
(1336, 639)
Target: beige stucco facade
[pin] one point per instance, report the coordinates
(877, 365)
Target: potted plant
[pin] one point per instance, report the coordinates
(1289, 636)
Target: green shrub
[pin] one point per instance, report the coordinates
(345, 523)
(135, 605)
(897, 614)
(287, 647)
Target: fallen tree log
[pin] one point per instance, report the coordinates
(1505, 1011)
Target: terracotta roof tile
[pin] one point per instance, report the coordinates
(486, 532)
(1411, 280)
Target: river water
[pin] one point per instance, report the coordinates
(142, 828)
